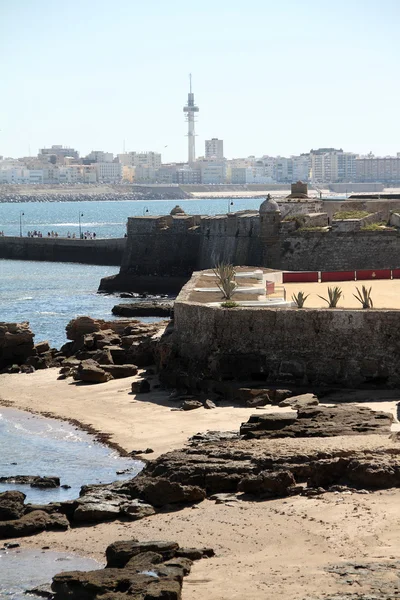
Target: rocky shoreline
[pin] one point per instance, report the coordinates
(290, 446)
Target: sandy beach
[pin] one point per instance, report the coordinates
(264, 550)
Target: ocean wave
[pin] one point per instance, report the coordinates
(27, 298)
(48, 312)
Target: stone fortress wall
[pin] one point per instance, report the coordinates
(304, 347)
(176, 245)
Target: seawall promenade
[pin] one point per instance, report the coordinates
(92, 252)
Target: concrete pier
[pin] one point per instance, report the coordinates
(92, 252)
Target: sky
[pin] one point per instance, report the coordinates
(269, 77)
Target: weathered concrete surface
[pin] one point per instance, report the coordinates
(93, 252)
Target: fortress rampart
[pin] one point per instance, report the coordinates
(172, 247)
(344, 347)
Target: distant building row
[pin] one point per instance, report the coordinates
(321, 166)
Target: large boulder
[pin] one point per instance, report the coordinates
(119, 554)
(160, 491)
(11, 505)
(16, 343)
(32, 522)
(120, 371)
(143, 309)
(90, 372)
(267, 484)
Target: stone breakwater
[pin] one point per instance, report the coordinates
(92, 252)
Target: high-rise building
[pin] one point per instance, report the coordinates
(59, 152)
(140, 159)
(190, 109)
(214, 149)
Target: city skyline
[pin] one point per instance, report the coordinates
(270, 79)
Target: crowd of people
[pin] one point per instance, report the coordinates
(87, 235)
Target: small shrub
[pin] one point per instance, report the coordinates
(229, 304)
(299, 299)
(316, 228)
(351, 214)
(364, 297)
(334, 295)
(225, 274)
(376, 227)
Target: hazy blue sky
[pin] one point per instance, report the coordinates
(269, 77)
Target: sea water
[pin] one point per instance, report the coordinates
(107, 219)
(33, 445)
(22, 570)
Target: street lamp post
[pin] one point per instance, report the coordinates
(145, 210)
(21, 214)
(229, 206)
(80, 228)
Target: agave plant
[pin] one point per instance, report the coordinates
(334, 295)
(299, 299)
(364, 297)
(225, 274)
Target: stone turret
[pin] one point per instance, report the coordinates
(270, 222)
(177, 211)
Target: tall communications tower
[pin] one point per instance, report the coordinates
(190, 109)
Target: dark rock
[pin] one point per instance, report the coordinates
(191, 404)
(41, 591)
(90, 372)
(209, 404)
(140, 387)
(33, 481)
(159, 491)
(42, 347)
(245, 395)
(33, 522)
(27, 369)
(118, 354)
(98, 506)
(103, 356)
(268, 422)
(16, 344)
(144, 309)
(272, 485)
(120, 371)
(119, 554)
(137, 452)
(11, 505)
(300, 402)
(135, 509)
(319, 421)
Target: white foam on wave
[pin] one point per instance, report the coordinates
(27, 298)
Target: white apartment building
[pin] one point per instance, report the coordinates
(214, 149)
(108, 172)
(100, 156)
(245, 175)
(300, 167)
(140, 159)
(329, 165)
(213, 172)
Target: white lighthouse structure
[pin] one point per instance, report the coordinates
(190, 109)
